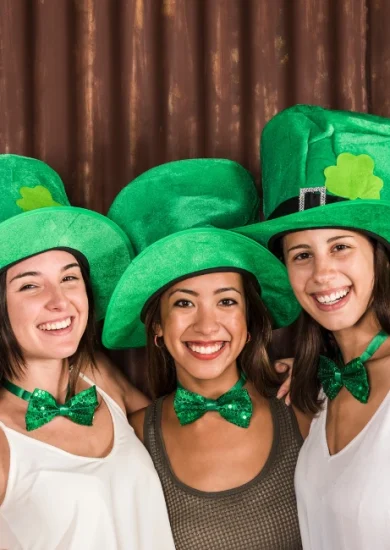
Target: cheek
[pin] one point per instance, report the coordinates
(174, 324)
(297, 278)
(21, 313)
(80, 301)
(236, 322)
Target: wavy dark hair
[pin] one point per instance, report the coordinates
(12, 363)
(253, 360)
(311, 339)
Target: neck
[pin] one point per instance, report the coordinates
(210, 387)
(50, 375)
(352, 341)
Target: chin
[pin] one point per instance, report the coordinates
(205, 372)
(337, 324)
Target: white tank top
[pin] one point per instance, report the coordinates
(59, 501)
(344, 499)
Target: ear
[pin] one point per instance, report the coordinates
(158, 330)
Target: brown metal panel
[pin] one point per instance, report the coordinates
(16, 97)
(139, 92)
(378, 70)
(182, 79)
(223, 84)
(50, 59)
(266, 62)
(94, 97)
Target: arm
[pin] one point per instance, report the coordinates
(109, 377)
(137, 422)
(4, 464)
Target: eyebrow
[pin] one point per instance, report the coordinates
(193, 293)
(38, 273)
(331, 240)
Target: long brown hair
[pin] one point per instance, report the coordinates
(253, 360)
(312, 339)
(12, 363)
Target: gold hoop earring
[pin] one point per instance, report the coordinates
(156, 341)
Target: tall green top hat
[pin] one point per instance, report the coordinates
(177, 216)
(324, 168)
(35, 216)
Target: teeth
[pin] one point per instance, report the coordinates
(333, 297)
(205, 350)
(56, 326)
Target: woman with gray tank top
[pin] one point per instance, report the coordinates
(224, 447)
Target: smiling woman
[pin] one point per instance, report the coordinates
(328, 207)
(63, 411)
(203, 299)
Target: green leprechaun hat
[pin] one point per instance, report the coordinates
(35, 216)
(177, 217)
(324, 168)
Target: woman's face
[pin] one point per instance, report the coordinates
(332, 274)
(47, 305)
(203, 324)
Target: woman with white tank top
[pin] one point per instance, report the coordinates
(73, 475)
(327, 204)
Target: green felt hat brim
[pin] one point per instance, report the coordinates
(101, 241)
(183, 255)
(369, 216)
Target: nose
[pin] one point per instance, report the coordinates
(206, 321)
(324, 270)
(56, 299)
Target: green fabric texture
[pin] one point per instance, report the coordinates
(183, 194)
(177, 217)
(35, 216)
(344, 153)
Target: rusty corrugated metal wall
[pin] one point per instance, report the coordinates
(105, 89)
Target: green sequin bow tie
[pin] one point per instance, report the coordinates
(353, 375)
(42, 407)
(235, 405)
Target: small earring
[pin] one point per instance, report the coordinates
(156, 341)
(248, 338)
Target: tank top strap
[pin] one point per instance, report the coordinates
(286, 426)
(111, 403)
(152, 428)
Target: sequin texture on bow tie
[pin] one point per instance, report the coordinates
(42, 408)
(235, 406)
(353, 376)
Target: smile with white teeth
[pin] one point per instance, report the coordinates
(205, 350)
(56, 326)
(333, 298)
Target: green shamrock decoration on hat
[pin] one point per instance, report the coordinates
(353, 177)
(35, 197)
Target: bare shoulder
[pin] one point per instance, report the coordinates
(304, 421)
(4, 464)
(137, 420)
(111, 379)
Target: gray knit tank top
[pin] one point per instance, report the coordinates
(261, 514)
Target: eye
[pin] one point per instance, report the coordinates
(227, 302)
(70, 278)
(183, 303)
(340, 247)
(27, 287)
(301, 257)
